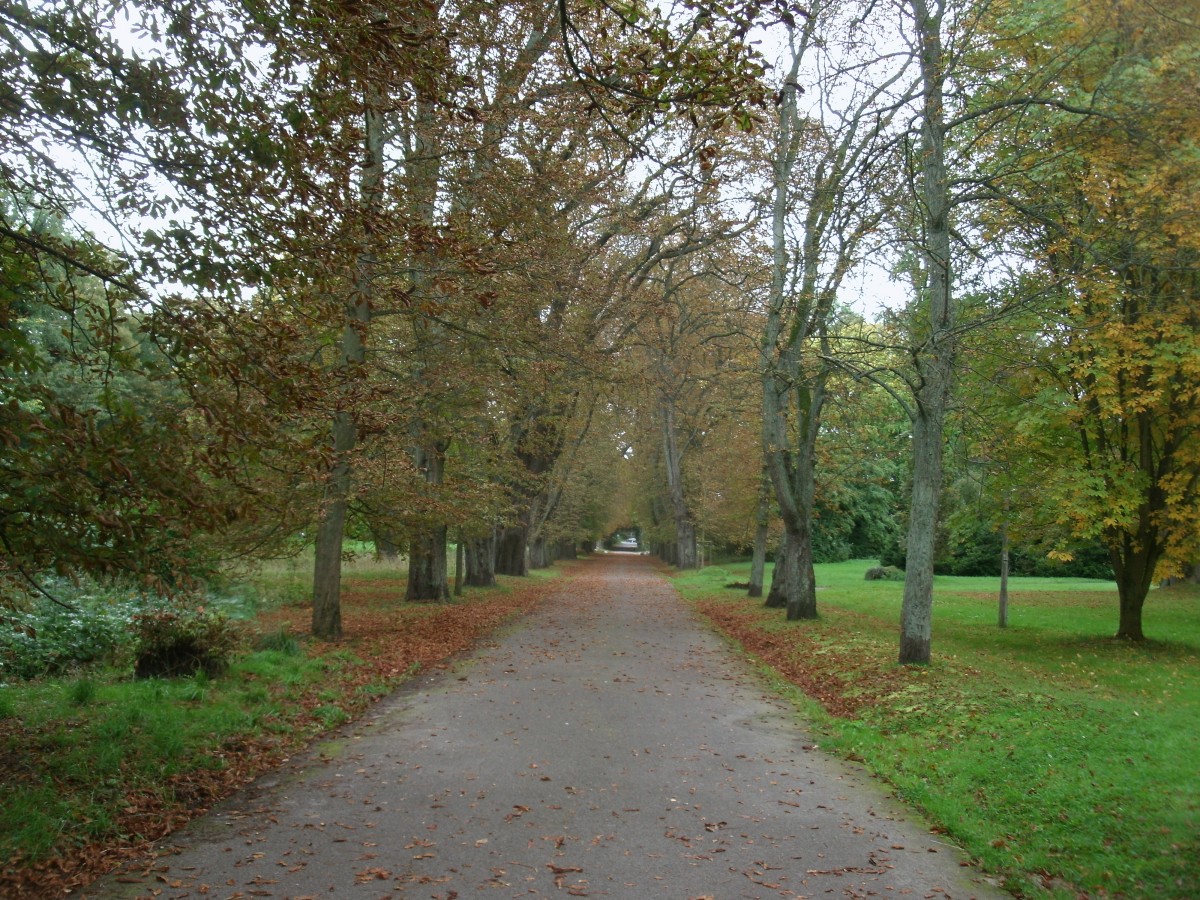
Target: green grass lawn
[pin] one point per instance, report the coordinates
(94, 763)
(1062, 760)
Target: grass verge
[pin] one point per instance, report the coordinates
(95, 766)
(1063, 761)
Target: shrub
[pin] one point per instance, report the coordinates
(884, 573)
(174, 641)
(49, 638)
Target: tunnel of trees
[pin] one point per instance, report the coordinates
(895, 280)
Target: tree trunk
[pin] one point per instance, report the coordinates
(685, 527)
(687, 553)
(785, 388)
(510, 551)
(459, 557)
(1133, 565)
(538, 554)
(936, 357)
(802, 592)
(481, 561)
(762, 521)
(1003, 611)
(427, 578)
(385, 546)
(801, 584)
(916, 612)
(327, 566)
(427, 574)
(784, 561)
(1130, 625)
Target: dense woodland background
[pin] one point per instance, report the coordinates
(517, 276)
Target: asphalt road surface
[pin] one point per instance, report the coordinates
(607, 746)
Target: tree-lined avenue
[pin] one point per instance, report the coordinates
(608, 746)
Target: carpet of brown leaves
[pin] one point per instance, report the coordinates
(392, 638)
(844, 679)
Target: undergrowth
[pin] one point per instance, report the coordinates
(94, 763)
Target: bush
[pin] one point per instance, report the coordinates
(884, 573)
(48, 638)
(175, 641)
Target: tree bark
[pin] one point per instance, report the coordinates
(784, 562)
(936, 357)
(510, 551)
(1129, 627)
(685, 526)
(427, 571)
(481, 561)
(784, 386)
(1002, 614)
(762, 521)
(427, 577)
(385, 545)
(327, 565)
(916, 612)
(459, 565)
(538, 553)
(1134, 558)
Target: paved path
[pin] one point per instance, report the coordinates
(607, 747)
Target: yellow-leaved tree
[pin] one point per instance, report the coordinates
(1111, 205)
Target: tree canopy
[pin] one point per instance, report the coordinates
(516, 274)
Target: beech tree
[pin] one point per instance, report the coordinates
(822, 165)
(171, 155)
(934, 359)
(101, 470)
(692, 348)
